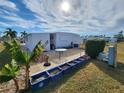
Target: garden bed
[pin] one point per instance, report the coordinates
(73, 64)
(35, 80)
(66, 68)
(39, 80)
(85, 57)
(79, 62)
(55, 73)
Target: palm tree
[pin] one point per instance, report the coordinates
(10, 33)
(119, 36)
(23, 35)
(25, 58)
(9, 72)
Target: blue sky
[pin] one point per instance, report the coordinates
(85, 17)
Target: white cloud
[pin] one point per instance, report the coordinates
(8, 4)
(3, 24)
(104, 12)
(83, 16)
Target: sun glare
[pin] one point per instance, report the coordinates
(65, 6)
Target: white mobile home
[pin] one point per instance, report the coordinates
(55, 40)
(33, 38)
(66, 39)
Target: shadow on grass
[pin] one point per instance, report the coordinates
(54, 85)
(115, 73)
(5, 56)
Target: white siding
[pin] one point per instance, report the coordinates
(34, 38)
(61, 40)
(65, 39)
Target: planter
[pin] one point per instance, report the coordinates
(39, 80)
(85, 57)
(79, 62)
(73, 64)
(81, 59)
(66, 68)
(55, 73)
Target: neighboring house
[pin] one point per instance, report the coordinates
(107, 39)
(113, 40)
(54, 40)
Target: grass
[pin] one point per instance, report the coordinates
(95, 77)
(120, 54)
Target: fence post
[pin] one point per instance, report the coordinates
(112, 56)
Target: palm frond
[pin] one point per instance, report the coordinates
(15, 48)
(37, 51)
(9, 71)
(7, 45)
(18, 54)
(22, 57)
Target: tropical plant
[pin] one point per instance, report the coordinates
(10, 33)
(9, 72)
(25, 58)
(119, 36)
(23, 35)
(5, 38)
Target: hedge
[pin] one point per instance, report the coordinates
(94, 47)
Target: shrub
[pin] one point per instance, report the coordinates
(94, 47)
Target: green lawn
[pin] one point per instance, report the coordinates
(95, 77)
(121, 52)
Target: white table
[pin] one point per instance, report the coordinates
(60, 51)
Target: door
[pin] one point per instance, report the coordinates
(52, 41)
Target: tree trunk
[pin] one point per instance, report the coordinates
(16, 84)
(27, 77)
